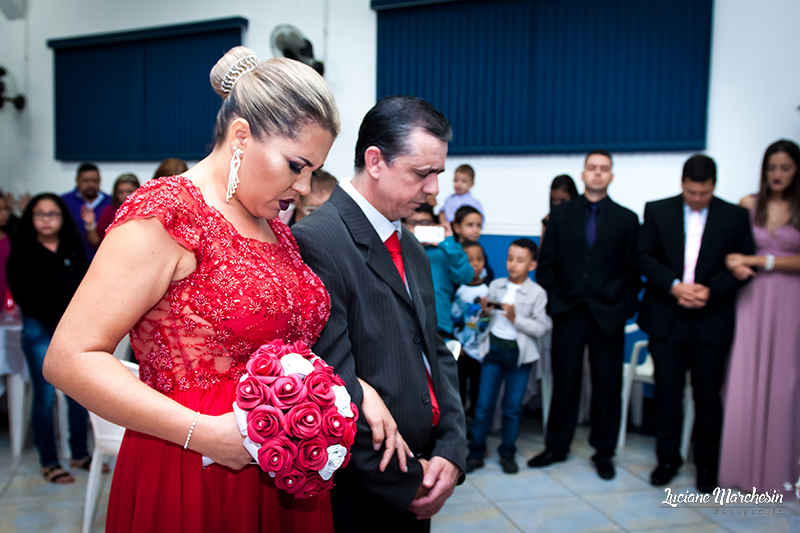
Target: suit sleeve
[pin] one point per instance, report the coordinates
(393, 486)
(634, 279)
(451, 440)
(724, 284)
(546, 269)
(648, 254)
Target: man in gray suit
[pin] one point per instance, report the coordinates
(382, 327)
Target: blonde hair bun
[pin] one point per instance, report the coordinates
(231, 57)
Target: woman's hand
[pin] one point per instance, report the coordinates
(383, 426)
(219, 439)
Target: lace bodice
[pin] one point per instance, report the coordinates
(242, 294)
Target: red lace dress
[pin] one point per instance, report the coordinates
(192, 346)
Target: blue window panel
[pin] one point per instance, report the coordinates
(548, 76)
(141, 95)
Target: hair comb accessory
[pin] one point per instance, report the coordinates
(245, 64)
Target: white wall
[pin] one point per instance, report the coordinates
(752, 98)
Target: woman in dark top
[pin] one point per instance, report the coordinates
(46, 265)
(562, 189)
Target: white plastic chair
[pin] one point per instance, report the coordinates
(107, 440)
(455, 348)
(643, 373)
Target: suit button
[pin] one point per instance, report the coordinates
(585, 275)
(415, 339)
(426, 398)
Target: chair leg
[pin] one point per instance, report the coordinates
(92, 489)
(63, 424)
(627, 376)
(547, 396)
(688, 420)
(19, 412)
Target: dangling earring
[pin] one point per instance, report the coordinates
(233, 176)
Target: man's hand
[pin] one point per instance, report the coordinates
(742, 272)
(440, 479)
(422, 490)
(691, 295)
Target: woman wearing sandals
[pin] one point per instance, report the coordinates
(46, 265)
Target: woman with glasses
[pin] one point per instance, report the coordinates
(46, 265)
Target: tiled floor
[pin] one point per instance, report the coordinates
(565, 497)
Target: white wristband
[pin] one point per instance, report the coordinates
(769, 262)
(191, 429)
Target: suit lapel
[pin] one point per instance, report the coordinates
(577, 221)
(714, 223)
(376, 255)
(608, 222)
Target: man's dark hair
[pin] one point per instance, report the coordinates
(87, 167)
(389, 123)
(700, 168)
(599, 151)
(528, 245)
(425, 207)
(321, 179)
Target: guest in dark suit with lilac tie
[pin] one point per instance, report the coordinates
(688, 311)
(587, 267)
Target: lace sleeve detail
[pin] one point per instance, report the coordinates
(175, 201)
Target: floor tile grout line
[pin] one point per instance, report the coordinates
(493, 504)
(11, 477)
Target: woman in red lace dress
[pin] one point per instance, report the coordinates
(201, 272)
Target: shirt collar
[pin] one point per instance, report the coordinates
(687, 210)
(100, 197)
(382, 225)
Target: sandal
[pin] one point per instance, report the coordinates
(56, 474)
(86, 464)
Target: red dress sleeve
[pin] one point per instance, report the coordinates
(175, 201)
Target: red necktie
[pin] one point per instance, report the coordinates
(396, 251)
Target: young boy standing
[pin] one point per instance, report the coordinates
(516, 328)
(463, 181)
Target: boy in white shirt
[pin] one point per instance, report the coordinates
(516, 329)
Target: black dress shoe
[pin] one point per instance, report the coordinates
(605, 467)
(473, 463)
(509, 465)
(706, 480)
(546, 458)
(663, 474)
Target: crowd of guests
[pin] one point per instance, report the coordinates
(45, 253)
(721, 286)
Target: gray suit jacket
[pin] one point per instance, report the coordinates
(377, 332)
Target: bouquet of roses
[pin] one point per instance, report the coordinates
(296, 417)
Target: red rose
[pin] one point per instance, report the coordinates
(251, 392)
(291, 481)
(325, 368)
(346, 460)
(303, 420)
(314, 486)
(263, 422)
(276, 455)
(319, 388)
(265, 366)
(312, 454)
(333, 425)
(287, 391)
(273, 349)
(349, 434)
(299, 347)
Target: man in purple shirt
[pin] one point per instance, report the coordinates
(85, 202)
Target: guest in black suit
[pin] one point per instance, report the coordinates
(382, 328)
(588, 268)
(688, 311)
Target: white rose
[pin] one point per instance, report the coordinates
(342, 401)
(294, 363)
(336, 456)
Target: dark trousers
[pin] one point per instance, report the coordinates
(469, 382)
(681, 350)
(572, 332)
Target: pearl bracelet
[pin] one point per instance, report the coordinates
(769, 262)
(189, 436)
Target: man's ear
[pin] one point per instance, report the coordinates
(373, 161)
